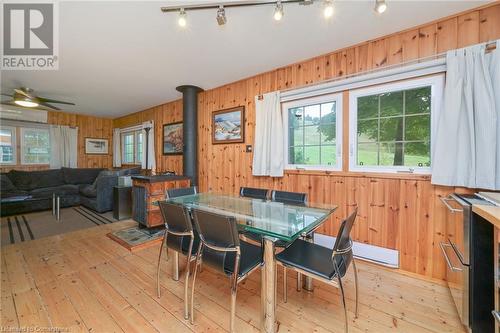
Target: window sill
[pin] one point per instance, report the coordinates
(23, 164)
(131, 164)
(360, 174)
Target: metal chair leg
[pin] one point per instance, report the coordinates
(175, 266)
(356, 284)
(233, 305)
(186, 280)
(234, 287)
(285, 290)
(299, 281)
(158, 267)
(198, 258)
(343, 297)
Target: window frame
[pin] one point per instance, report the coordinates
(22, 148)
(138, 159)
(436, 82)
(135, 133)
(335, 97)
(13, 130)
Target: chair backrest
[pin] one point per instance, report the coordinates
(215, 230)
(176, 217)
(179, 192)
(343, 242)
(256, 193)
(294, 198)
(219, 235)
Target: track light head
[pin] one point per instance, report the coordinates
(328, 10)
(221, 16)
(182, 21)
(380, 6)
(278, 11)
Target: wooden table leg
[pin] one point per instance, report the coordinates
(268, 288)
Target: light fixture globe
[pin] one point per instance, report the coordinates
(221, 16)
(26, 104)
(182, 21)
(380, 6)
(278, 11)
(328, 10)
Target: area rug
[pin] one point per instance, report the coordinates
(25, 227)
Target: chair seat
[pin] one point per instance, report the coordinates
(314, 259)
(251, 256)
(181, 243)
(185, 245)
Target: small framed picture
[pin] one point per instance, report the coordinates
(228, 126)
(96, 146)
(173, 140)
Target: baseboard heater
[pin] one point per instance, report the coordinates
(371, 253)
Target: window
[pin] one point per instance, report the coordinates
(35, 146)
(313, 133)
(7, 145)
(138, 156)
(132, 147)
(391, 125)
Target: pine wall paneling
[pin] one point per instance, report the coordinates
(88, 126)
(401, 212)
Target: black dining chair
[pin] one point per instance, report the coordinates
(255, 193)
(174, 193)
(293, 198)
(180, 237)
(221, 248)
(182, 191)
(322, 263)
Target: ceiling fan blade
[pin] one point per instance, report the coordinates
(11, 103)
(43, 99)
(22, 92)
(47, 105)
(7, 95)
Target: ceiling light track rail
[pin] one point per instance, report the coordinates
(170, 9)
(328, 8)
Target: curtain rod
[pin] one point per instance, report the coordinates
(490, 46)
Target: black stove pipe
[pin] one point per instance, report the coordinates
(190, 131)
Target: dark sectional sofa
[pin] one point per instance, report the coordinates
(28, 191)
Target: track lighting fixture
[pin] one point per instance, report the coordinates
(380, 6)
(328, 10)
(221, 16)
(182, 21)
(278, 11)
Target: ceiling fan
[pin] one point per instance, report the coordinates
(26, 98)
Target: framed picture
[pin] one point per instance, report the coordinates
(228, 126)
(173, 140)
(96, 146)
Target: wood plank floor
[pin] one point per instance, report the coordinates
(83, 281)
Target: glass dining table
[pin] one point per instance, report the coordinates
(275, 221)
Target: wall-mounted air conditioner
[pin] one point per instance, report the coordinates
(20, 114)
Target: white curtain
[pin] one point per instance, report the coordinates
(268, 144)
(117, 151)
(63, 147)
(467, 141)
(150, 150)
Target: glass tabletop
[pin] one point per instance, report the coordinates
(283, 221)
